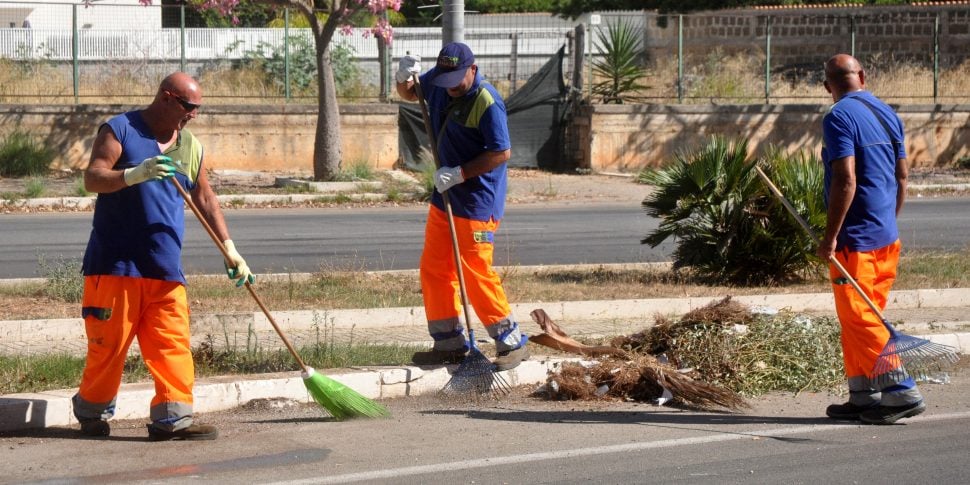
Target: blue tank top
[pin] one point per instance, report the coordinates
(138, 230)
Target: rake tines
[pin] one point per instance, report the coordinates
(476, 376)
(906, 355)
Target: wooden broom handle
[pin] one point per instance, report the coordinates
(225, 255)
(447, 200)
(808, 229)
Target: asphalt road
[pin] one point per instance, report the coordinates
(783, 438)
(306, 240)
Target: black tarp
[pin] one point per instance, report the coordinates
(536, 114)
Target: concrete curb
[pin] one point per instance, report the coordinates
(53, 408)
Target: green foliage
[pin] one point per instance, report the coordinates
(247, 14)
(34, 187)
(728, 226)
(21, 155)
(510, 6)
(303, 64)
(620, 69)
(64, 279)
(79, 189)
(784, 352)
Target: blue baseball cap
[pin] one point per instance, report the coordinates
(453, 61)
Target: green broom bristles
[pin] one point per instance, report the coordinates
(339, 400)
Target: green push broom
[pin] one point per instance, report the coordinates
(339, 400)
(475, 374)
(918, 355)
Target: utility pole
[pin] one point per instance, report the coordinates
(453, 22)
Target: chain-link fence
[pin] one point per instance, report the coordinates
(72, 53)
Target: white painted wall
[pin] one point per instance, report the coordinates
(100, 15)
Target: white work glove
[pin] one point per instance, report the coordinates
(408, 66)
(240, 270)
(156, 168)
(448, 177)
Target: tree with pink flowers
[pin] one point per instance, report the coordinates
(326, 143)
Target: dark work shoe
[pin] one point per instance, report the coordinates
(511, 359)
(195, 432)
(95, 428)
(439, 357)
(847, 411)
(891, 414)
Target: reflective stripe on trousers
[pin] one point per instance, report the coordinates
(439, 277)
(116, 310)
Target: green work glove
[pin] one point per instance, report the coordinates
(156, 168)
(239, 270)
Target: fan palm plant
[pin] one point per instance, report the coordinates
(727, 226)
(620, 70)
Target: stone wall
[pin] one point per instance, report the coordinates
(601, 137)
(258, 138)
(809, 35)
(628, 137)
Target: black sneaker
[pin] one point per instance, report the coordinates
(511, 359)
(195, 432)
(891, 414)
(439, 357)
(847, 411)
(95, 428)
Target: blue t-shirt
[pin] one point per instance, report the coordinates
(138, 230)
(476, 123)
(851, 129)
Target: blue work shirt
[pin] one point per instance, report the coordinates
(850, 128)
(476, 123)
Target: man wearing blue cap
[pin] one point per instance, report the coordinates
(471, 128)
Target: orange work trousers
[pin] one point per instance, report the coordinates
(120, 308)
(439, 277)
(863, 334)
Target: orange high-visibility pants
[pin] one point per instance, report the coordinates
(439, 277)
(117, 309)
(863, 334)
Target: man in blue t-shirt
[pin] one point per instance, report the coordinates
(134, 286)
(470, 127)
(865, 186)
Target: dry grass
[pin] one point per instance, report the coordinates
(355, 289)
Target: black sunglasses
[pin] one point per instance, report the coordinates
(187, 106)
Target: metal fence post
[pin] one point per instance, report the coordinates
(75, 53)
(680, 59)
(852, 35)
(286, 54)
(936, 58)
(182, 36)
(768, 59)
(513, 62)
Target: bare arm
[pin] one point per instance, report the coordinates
(100, 177)
(841, 193)
(902, 174)
(406, 90)
(485, 162)
(205, 199)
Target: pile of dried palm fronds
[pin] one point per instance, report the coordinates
(640, 378)
(709, 357)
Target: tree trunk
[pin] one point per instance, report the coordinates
(326, 144)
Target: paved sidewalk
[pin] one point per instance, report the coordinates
(940, 315)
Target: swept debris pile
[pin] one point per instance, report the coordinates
(709, 358)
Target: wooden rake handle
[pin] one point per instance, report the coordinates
(225, 254)
(447, 201)
(808, 229)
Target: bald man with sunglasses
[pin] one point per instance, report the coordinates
(134, 285)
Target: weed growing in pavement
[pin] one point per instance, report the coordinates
(358, 170)
(79, 189)
(34, 187)
(21, 155)
(64, 279)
